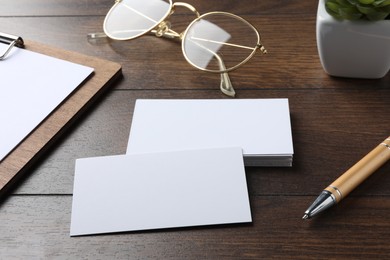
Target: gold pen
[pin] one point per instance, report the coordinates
(341, 187)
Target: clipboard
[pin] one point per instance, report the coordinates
(19, 160)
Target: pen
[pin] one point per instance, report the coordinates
(341, 187)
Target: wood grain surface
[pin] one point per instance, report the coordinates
(335, 122)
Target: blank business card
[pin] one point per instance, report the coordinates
(260, 126)
(159, 190)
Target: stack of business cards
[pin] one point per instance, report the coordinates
(261, 127)
(184, 166)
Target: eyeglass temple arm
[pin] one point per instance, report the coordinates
(226, 85)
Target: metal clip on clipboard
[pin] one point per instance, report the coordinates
(12, 41)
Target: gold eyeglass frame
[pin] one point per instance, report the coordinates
(163, 29)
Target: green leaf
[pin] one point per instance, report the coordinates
(350, 13)
(380, 3)
(333, 12)
(343, 3)
(383, 6)
(353, 2)
(377, 16)
(331, 6)
(366, 9)
(358, 9)
(366, 2)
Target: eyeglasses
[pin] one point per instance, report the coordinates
(213, 42)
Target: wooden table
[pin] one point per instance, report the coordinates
(335, 122)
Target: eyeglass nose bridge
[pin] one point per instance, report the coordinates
(262, 48)
(163, 29)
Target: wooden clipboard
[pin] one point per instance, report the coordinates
(41, 138)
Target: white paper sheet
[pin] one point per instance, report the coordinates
(260, 126)
(32, 85)
(162, 190)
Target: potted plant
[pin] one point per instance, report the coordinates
(353, 37)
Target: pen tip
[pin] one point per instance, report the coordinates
(305, 216)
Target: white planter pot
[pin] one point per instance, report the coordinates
(354, 49)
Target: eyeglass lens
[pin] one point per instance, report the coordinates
(217, 37)
(129, 19)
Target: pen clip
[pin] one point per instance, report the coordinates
(12, 41)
